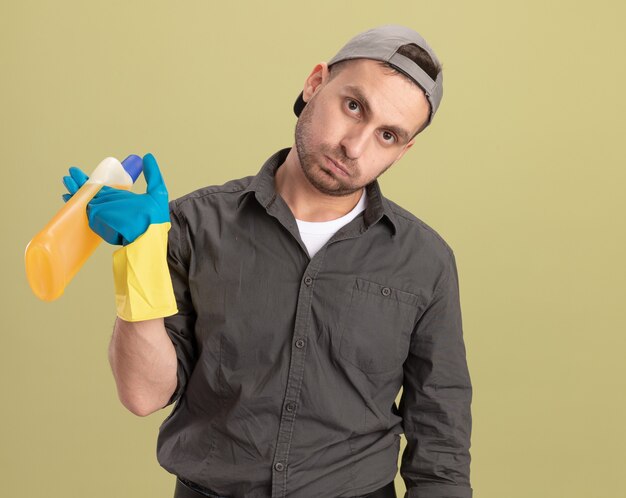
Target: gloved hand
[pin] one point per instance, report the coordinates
(75, 180)
(140, 223)
(120, 216)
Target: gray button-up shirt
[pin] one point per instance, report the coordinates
(289, 366)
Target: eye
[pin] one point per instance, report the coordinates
(389, 137)
(353, 106)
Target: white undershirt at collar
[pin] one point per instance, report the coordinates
(331, 226)
(315, 234)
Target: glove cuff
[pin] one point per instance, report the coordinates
(143, 286)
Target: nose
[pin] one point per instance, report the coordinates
(354, 142)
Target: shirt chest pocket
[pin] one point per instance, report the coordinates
(376, 329)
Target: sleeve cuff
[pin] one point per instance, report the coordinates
(439, 491)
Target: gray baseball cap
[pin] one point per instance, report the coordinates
(382, 44)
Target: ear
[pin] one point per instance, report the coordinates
(315, 81)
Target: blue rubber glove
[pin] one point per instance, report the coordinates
(120, 216)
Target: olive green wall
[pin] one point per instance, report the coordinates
(520, 173)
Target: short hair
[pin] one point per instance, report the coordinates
(414, 52)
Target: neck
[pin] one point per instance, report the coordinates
(305, 201)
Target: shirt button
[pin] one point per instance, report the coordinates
(308, 280)
(386, 291)
(279, 467)
(291, 407)
(300, 343)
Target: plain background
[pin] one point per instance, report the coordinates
(521, 173)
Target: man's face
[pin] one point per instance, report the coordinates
(362, 119)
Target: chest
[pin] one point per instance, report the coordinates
(260, 292)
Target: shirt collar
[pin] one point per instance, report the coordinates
(264, 189)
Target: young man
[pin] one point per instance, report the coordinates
(284, 311)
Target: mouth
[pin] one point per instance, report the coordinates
(336, 167)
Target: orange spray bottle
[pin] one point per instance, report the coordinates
(57, 252)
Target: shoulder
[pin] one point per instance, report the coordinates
(209, 196)
(230, 187)
(416, 231)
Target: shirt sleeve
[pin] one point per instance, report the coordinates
(436, 399)
(180, 327)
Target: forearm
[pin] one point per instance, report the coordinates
(144, 363)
